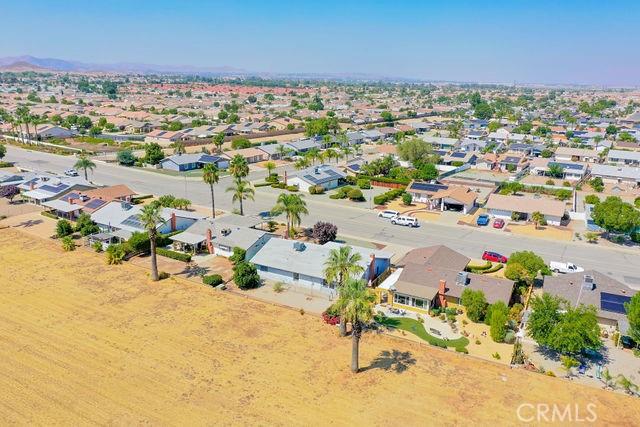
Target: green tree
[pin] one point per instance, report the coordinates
(555, 170)
(355, 305)
(245, 275)
(242, 191)
(126, 157)
(616, 216)
(576, 331)
(387, 117)
(179, 148)
(238, 167)
(538, 219)
(211, 176)
(85, 164)
(545, 314)
(475, 303)
(218, 141)
(428, 171)
(632, 308)
(568, 363)
(150, 218)
(270, 166)
(498, 321)
(342, 263)
(240, 143)
(293, 206)
(321, 126)
(85, 225)
(530, 262)
(483, 111)
(415, 150)
(68, 244)
(63, 228)
(3, 151)
(153, 153)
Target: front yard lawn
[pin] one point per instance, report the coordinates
(417, 328)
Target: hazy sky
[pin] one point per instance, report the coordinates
(562, 41)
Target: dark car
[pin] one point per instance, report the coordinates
(627, 342)
(493, 257)
(483, 220)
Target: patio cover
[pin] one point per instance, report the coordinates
(188, 238)
(62, 206)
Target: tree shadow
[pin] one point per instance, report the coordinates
(29, 223)
(194, 271)
(394, 360)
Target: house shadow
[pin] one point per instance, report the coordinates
(392, 361)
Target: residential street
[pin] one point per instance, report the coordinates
(357, 221)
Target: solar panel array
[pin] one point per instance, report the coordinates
(458, 155)
(133, 221)
(71, 196)
(571, 166)
(613, 302)
(425, 186)
(54, 188)
(95, 204)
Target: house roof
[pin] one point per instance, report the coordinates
(316, 175)
(230, 236)
(616, 171)
(526, 205)
(112, 192)
(624, 155)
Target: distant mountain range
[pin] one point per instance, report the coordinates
(31, 63)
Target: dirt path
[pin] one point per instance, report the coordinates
(84, 343)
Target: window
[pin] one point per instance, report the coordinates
(418, 303)
(400, 299)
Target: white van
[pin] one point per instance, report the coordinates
(388, 214)
(405, 220)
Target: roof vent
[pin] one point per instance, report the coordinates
(317, 170)
(588, 282)
(225, 231)
(299, 246)
(462, 278)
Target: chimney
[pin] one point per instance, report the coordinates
(372, 267)
(209, 244)
(442, 290)
(32, 186)
(173, 222)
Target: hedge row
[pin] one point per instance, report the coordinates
(385, 198)
(179, 256)
(212, 280)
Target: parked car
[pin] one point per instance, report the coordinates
(71, 172)
(483, 220)
(565, 267)
(388, 214)
(405, 220)
(498, 223)
(493, 257)
(627, 342)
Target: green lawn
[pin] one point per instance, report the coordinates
(416, 328)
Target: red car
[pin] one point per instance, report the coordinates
(498, 223)
(493, 257)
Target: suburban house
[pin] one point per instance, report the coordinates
(52, 131)
(43, 189)
(303, 263)
(512, 162)
(218, 238)
(617, 174)
(251, 154)
(571, 171)
(506, 207)
(435, 276)
(186, 162)
(469, 144)
(568, 154)
(124, 218)
(303, 145)
(72, 204)
(326, 176)
(624, 158)
(441, 143)
(590, 287)
(163, 137)
(442, 197)
(459, 158)
(373, 135)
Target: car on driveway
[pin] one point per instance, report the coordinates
(483, 220)
(407, 221)
(498, 223)
(71, 172)
(493, 257)
(388, 214)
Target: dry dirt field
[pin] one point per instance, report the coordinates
(82, 343)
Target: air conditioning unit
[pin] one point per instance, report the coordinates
(299, 246)
(462, 278)
(588, 282)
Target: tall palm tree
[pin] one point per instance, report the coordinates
(238, 167)
(355, 305)
(341, 265)
(270, 167)
(150, 218)
(241, 190)
(313, 155)
(346, 150)
(331, 154)
(85, 163)
(218, 141)
(293, 206)
(302, 163)
(211, 176)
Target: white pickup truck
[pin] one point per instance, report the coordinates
(565, 267)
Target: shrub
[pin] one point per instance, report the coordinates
(355, 195)
(179, 256)
(246, 276)
(324, 232)
(48, 215)
(115, 254)
(68, 244)
(509, 337)
(566, 184)
(550, 182)
(278, 287)
(635, 237)
(139, 242)
(384, 198)
(97, 246)
(591, 199)
(407, 199)
(163, 275)
(212, 280)
(238, 255)
(316, 189)
(293, 188)
(462, 350)
(364, 184)
(64, 228)
(341, 193)
(496, 355)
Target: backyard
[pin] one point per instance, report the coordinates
(87, 343)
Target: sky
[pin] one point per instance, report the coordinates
(562, 41)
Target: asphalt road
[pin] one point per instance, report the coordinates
(357, 221)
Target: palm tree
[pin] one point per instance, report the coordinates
(238, 167)
(211, 176)
(270, 167)
(355, 305)
(346, 150)
(302, 163)
(313, 155)
(537, 218)
(293, 206)
(242, 190)
(342, 264)
(178, 148)
(85, 163)
(218, 141)
(150, 218)
(331, 154)
(282, 150)
(607, 378)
